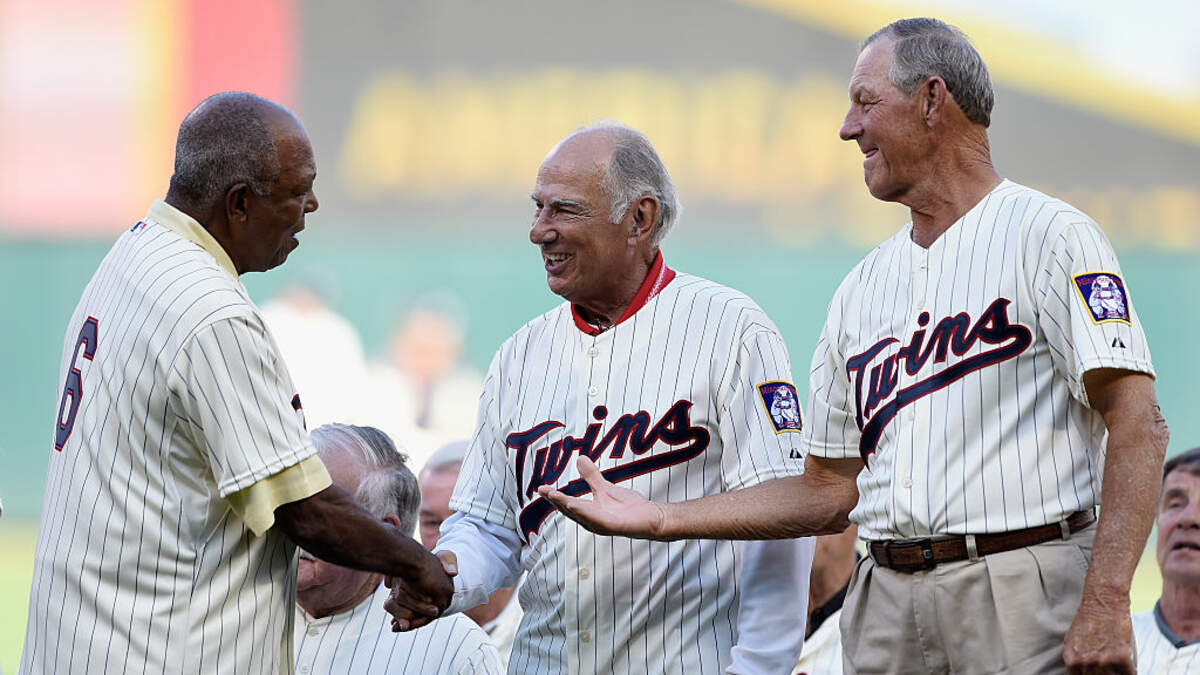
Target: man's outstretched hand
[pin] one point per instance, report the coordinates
(417, 600)
(612, 510)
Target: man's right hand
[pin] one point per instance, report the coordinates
(422, 598)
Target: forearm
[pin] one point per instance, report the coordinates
(333, 527)
(1132, 476)
(817, 502)
(488, 558)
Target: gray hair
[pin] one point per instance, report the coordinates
(927, 47)
(222, 142)
(1188, 460)
(448, 458)
(634, 171)
(388, 486)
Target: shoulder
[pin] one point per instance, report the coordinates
(722, 306)
(1043, 219)
(542, 329)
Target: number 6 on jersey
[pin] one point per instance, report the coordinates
(74, 387)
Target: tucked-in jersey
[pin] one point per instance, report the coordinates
(955, 373)
(361, 642)
(173, 402)
(690, 395)
(1159, 650)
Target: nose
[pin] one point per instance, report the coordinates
(542, 231)
(851, 125)
(312, 204)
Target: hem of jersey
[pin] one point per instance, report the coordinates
(831, 451)
(471, 509)
(1096, 363)
(765, 475)
(245, 480)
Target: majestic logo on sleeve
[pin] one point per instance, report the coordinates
(875, 372)
(782, 405)
(1104, 295)
(631, 432)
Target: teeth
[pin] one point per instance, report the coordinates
(557, 257)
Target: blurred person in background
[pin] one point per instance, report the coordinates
(323, 350)
(341, 626)
(501, 614)
(421, 391)
(1168, 636)
(833, 564)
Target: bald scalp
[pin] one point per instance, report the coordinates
(229, 138)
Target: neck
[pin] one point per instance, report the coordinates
(210, 221)
(957, 180)
(353, 600)
(604, 313)
(1180, 607)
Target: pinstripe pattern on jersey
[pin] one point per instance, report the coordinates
(361, 642)
(1157, 653)
(141, 567)
(1004, 447)
(597, 604)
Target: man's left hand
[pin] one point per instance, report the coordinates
(1100, 639)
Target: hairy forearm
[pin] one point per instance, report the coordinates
(817, 502)
(333, 527)
(1137, 443)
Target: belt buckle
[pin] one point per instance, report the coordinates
(927, 561)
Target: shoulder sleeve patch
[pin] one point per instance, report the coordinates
(1103, 293)
(782, 405)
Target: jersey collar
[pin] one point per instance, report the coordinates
(185, 226)
(656, 279)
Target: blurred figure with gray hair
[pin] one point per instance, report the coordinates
(341, 626)
(501, 614)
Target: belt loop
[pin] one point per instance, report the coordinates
(1065, 529)
(972, 551)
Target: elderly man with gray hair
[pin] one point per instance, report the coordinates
(341, 626)
(666, 381)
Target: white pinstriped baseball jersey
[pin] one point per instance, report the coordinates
(956, 372)
(1159, 650)
(361, 642)
(822, 653)
(673, 402)
(177, 400)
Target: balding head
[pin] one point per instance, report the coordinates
(228, 139)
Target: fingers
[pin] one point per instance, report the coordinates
(591, 473)
(449, 562)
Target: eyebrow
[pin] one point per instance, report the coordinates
(1173, 492)
(559, 203)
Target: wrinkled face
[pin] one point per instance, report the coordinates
(587, 257)
(322, 586)
(887, 125)
(1178, 545)
(274, 219)
(436, 488)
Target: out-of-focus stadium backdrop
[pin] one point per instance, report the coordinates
(429, 119)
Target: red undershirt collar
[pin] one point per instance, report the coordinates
(656, 279)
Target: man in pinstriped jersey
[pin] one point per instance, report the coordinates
(181, 477)
(981, 376)
(341, 626)
(666, 380)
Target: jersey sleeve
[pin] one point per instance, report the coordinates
(832, 431)
(237, 399)
(1084, 306)
(486, 486)
(760, 418)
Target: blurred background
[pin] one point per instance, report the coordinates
(429, 119)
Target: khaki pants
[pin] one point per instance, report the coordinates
(1003, 613)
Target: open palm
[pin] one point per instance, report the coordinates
(611, 510)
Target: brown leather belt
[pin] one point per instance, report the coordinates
(913, 555)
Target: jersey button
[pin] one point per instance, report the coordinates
(593, 391)
(314, 632)
(585, 637)
(906, 482)
(304, 669)
(593, 352)
(584, 573)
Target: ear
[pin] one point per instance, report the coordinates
(236, 207)
(934, 98)
(393, 520)
(644, 214)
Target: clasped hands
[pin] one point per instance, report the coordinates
(417, 601)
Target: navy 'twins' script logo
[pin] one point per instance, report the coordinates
(632, 432)
(875, 375)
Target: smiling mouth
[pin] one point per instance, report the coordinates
(555, 261)
(1186, 546)
(870, 153)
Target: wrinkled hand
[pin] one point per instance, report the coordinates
(417, 600)
(611, 510)
(1100, 639)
